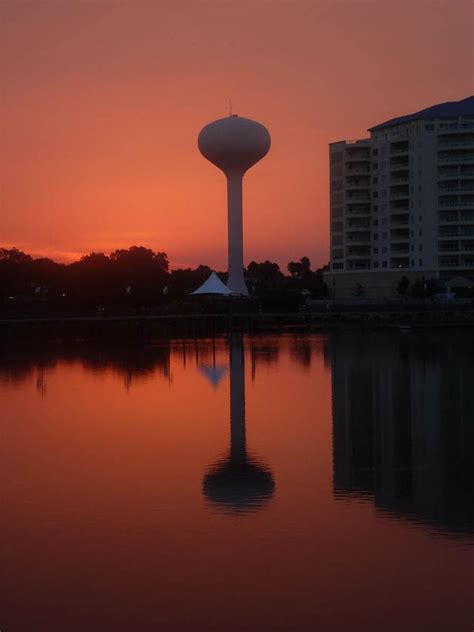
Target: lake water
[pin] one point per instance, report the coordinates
(319, 482)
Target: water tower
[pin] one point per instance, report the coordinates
(234, 144)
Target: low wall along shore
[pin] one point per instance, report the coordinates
(155, 327)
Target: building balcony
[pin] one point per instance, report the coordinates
(456, 158)
(353, 253)
(396, 172)
(399, 248)
(354, 223)
(448, 231)
(397, 222)
(448, 261)
(447, 217)
(357, 169)
(398, 162)
(399, 147)
(399, 152)
(453, 143)
(467, 246)
(357, 238)
(456, 186)
(358, 209)
(357, 196)
(467, 261)
(457, 247)
(357, 154)
(448, 246)
(399, 180)
(357, 182)
(460, 202)
(399, 234)
(358, 264)
(399, 206)
(466, 231)
(400, 262)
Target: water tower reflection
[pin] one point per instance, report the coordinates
(238, 483)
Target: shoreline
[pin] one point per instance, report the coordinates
(149, 327)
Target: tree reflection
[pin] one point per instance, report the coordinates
(132, 362)
(238, 483)
(403, 425)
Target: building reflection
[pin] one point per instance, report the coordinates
(238, 483)
(403, 425)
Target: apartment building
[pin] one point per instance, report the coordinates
(402, 202)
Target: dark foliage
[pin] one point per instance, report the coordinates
(137, 280)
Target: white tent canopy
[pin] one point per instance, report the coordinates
(213, 285)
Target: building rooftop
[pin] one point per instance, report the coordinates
(451, 109)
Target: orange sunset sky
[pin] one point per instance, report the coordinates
(102, 101)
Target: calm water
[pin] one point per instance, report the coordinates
(275, 483)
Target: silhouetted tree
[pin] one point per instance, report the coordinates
(301, 268)
(264, 275)
(403, 286)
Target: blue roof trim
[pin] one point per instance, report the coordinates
(465, 107)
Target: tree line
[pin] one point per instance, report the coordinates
(136, 275)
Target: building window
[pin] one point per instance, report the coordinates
(337, 266)
(375, 208)
(384, 264)
(412, 263)
(384, 235)
(376, 236)
(420, 232)
(384, 250)
(375, 166)
(429, 127)
(376, 222)
(376, 251)
(421, 262)
(375, 152)
(376, 264)
(375, 194)
(420, 247)
(375, 180)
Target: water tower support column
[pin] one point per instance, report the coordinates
(236, 280)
